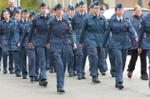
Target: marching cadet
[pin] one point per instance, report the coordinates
(11, 9)
(145, 38)
(121, 31)
(136, 22)
(77, 22)
(40, 25)
(60, 31)
(6, 29)
(70, 54)
(50, 63)
(102, 64)
(24, 21)
(32, 66)
(92, 30)
(14, 39)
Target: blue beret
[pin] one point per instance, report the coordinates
(70, 7)
(96, 3)
(42, 4)
(119, 5)
(58, 6)
(81, 3)
(32, 13)
(149, 3)
(77, 5)
(17, 12)
(24, 10)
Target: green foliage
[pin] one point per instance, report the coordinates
(30, 4)
(3, 4)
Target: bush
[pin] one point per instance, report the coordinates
(30, 4)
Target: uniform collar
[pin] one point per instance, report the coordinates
(119, 18)
(82, 14)
(59, 18)
(7, 20)
(43, 15)
(24, 20)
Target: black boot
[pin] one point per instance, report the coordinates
(95, 79)
(119, 85)
(144, 76)
(61, 90)
(43, 83)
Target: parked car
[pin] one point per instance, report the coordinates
(128, 12)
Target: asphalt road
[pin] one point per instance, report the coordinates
(17, 88)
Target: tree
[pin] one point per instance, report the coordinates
(3, 4)
(30, 4)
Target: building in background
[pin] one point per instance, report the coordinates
(105, 3)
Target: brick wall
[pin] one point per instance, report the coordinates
(126, 3)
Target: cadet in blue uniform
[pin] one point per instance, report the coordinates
(32, 66)
(60, 31)
(24, 21)
(136, 22)
(77, 22)
(40, 25)
(6, 29)
(145, 38)
(92, 30)
(121, 32)
(70, 56)
(103, 53)
(15, 36)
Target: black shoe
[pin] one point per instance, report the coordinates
(36, 79)
(103, 72)
(81, 77)
(61, 90)
(32, 79)
(11, 72)
(144, 76)
(43, 83)
(95, 79)
(24, 77)
(119, 85)
(70, 74)
(5, 71)
(18, 75)
(51, 70)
